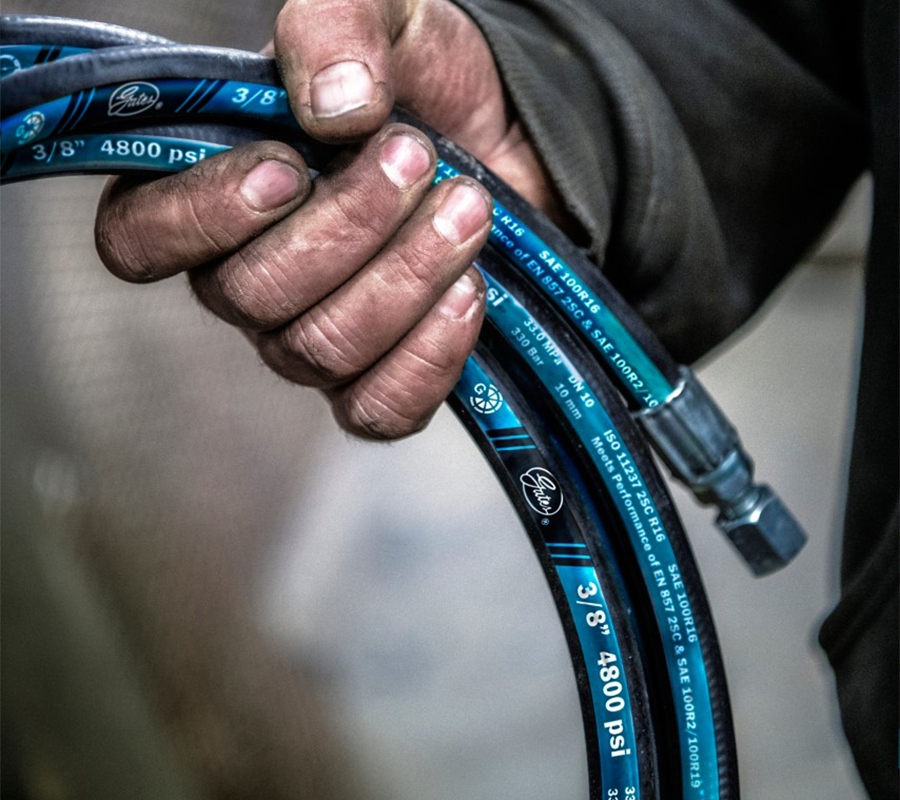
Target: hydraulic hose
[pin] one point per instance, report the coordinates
(654, 700)
(513, 452)
(64, 37)
(689, 431)
(506, 437)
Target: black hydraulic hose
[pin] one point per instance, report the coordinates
(571, 450)
(686, 427)
(564, 533)
(689, 582)
(38, 29)
(720, 749)
(551, 557)
(568, 553)
(30, 40)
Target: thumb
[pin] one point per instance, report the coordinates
(335, 60)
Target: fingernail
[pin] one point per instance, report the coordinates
(404, 160)
(270, 184)
(462, 214)
(340, 88)
(458, 299)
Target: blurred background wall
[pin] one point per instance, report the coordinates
(209, 591)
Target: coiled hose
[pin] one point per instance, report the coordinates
(542, 395)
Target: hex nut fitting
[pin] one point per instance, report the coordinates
(767, 535)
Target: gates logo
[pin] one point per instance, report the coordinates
(132, 98)
(541, 491)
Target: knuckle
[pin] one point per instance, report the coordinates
(147, 231)
(325, 351)
(433, 361)
(427, 367)
(202, 210)
(120, 247)
(368, 416)
(418, 266)
(400, 401)
(251, 287)
(359, 215)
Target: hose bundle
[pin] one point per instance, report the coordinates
(562, 393)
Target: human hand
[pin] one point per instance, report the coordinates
(361, 284)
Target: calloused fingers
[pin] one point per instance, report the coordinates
(341, 337)
(353, 212)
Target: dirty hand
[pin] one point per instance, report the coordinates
(360, 283)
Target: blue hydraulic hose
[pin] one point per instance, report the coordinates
(687, 429)
(614, 463)
(35, 152)
(236, 101)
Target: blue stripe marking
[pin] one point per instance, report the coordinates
(69, 112)
(198, 100)
(564, 544)
(85, 108)
(187, 99)
(207, 95)
(569, 555)
(520, 447)
(517, 436)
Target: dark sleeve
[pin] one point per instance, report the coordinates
(862, 635)
(700, 148)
